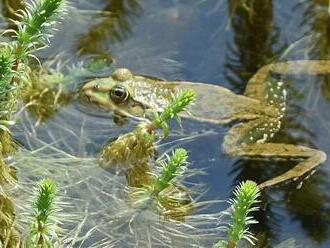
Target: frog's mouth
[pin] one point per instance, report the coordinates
(83, 98)
(84, 104)
(87, 100)
(88, 96)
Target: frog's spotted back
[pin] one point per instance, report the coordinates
(152, 93)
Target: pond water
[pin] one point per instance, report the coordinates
(214, 41)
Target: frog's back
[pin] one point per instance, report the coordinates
(151, 92)
(217, 104)
(214, 103)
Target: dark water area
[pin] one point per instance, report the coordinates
(222, 43)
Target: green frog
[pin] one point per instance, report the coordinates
(259, 111)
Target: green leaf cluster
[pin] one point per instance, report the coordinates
(246, 195)
(171, 169)
(42, 231)
(36, 20)
(177, 105)
(33, 30)
(7, 90)
(129, 149)
(162, 195)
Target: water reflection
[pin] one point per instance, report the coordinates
(254, 35)
(316, 18)
(115, 25)
(310, 205)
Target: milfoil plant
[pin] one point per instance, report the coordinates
(45, 208)
(164, 194)
(33, 30)
(245, 198)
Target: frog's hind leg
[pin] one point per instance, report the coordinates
(311, 158)
(256, 87)
(249, 140)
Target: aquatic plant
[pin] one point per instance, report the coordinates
(246, 195)
(43, 230)
(178, 104)
(134, 150)
(44, 94)
(100, 201)
(170, 169)
(35, 26)
(6, 73)
(8, 100)
(129, 149)
(33, 32)
(9, 235)
(166, 198)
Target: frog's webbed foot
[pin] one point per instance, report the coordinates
(308, 158)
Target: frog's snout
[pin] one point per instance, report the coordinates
(86, 92)
(84, 96)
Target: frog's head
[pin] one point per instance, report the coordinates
(113, 94)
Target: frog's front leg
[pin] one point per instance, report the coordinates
(248, 140)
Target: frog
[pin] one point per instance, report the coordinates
(256, 115)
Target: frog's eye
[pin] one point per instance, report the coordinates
(119, 94)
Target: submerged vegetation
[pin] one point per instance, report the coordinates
(138, 146)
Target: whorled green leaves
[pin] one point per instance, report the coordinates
(246, 195)
(37, 20)
(177, 105)
(162, 195)
(170, 169)
(43, 229)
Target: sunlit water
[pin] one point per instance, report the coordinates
(207, 41)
